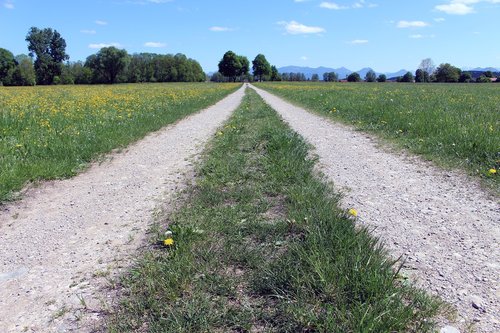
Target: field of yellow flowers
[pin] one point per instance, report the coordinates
(51, 132)
(456, 125)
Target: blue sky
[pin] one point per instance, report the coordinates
(386, 35)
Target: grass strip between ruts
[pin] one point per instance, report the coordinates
(260, 245)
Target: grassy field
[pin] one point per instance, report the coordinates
(261, 246)
(456, 125)
(53, 131)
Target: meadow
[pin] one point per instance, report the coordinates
(50, 132)
(455, 125)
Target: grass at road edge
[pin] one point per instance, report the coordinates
(454, 125)
(261, 245)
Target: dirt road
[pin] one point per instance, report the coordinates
(59, 244)
(442, 222)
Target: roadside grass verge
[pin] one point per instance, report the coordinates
(260, 245)
(51, 132)
(455, 125)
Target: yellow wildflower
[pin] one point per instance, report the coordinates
(353, 212)
(168, 242)
(492, 171)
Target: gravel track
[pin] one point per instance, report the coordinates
(442, 222)
(60, 242)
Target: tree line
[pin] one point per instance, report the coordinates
(48, 63)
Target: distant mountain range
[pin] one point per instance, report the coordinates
(343, 72)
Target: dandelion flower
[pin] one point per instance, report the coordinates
(168, 242)
(353, 212)
(492, 171)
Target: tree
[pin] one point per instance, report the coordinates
(275, 75)
(107, 64)
(50, 50)
(420, 76)
(354, 77)
(315, 77)
(7, 66)
(428, 67)
(24, 73)
(382, 78)
(447, 73)
(245, 67)
(217, 77)
(488, 74)
(408, 77)
(370, 76)
(261, 66)
(230, 65)
(483, 79)
(465, 77)
(330, 77)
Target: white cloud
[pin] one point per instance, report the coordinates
(357, 5)
(220, 29)
(8, 4)
(101, 45)
(332, 5)
(88, 32)
(461, 7)
(439, 19)
(304, 58)
(100, 22)
(417, 36)
(296, 28)
(358, 41)
(159, 1)
(155, 44)
(456, 9)
(412, 24)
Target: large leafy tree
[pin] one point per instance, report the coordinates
(107, 64)
(275, 75)
(370, 76)
(261, 66)
(50, 50)
(245, 66)
(354, 77)
(447, 73)
(7, 66)
(230, 65)
(24, 73)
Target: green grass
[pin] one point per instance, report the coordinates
(261, 246)
(455, 125)
(52, 132)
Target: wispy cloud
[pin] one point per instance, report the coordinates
(358, 41)
(88, 32)
(155, 44)
(461, 7)
(419, 36)
(304, 58)
(332, 6)
(101, 45)
(439, 19)
(356, 5)
(100, 22)
(296, 28)
(8, 4)
(220, 29)
(412, 24)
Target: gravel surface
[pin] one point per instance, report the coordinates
(61, 242)
(442, 222)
